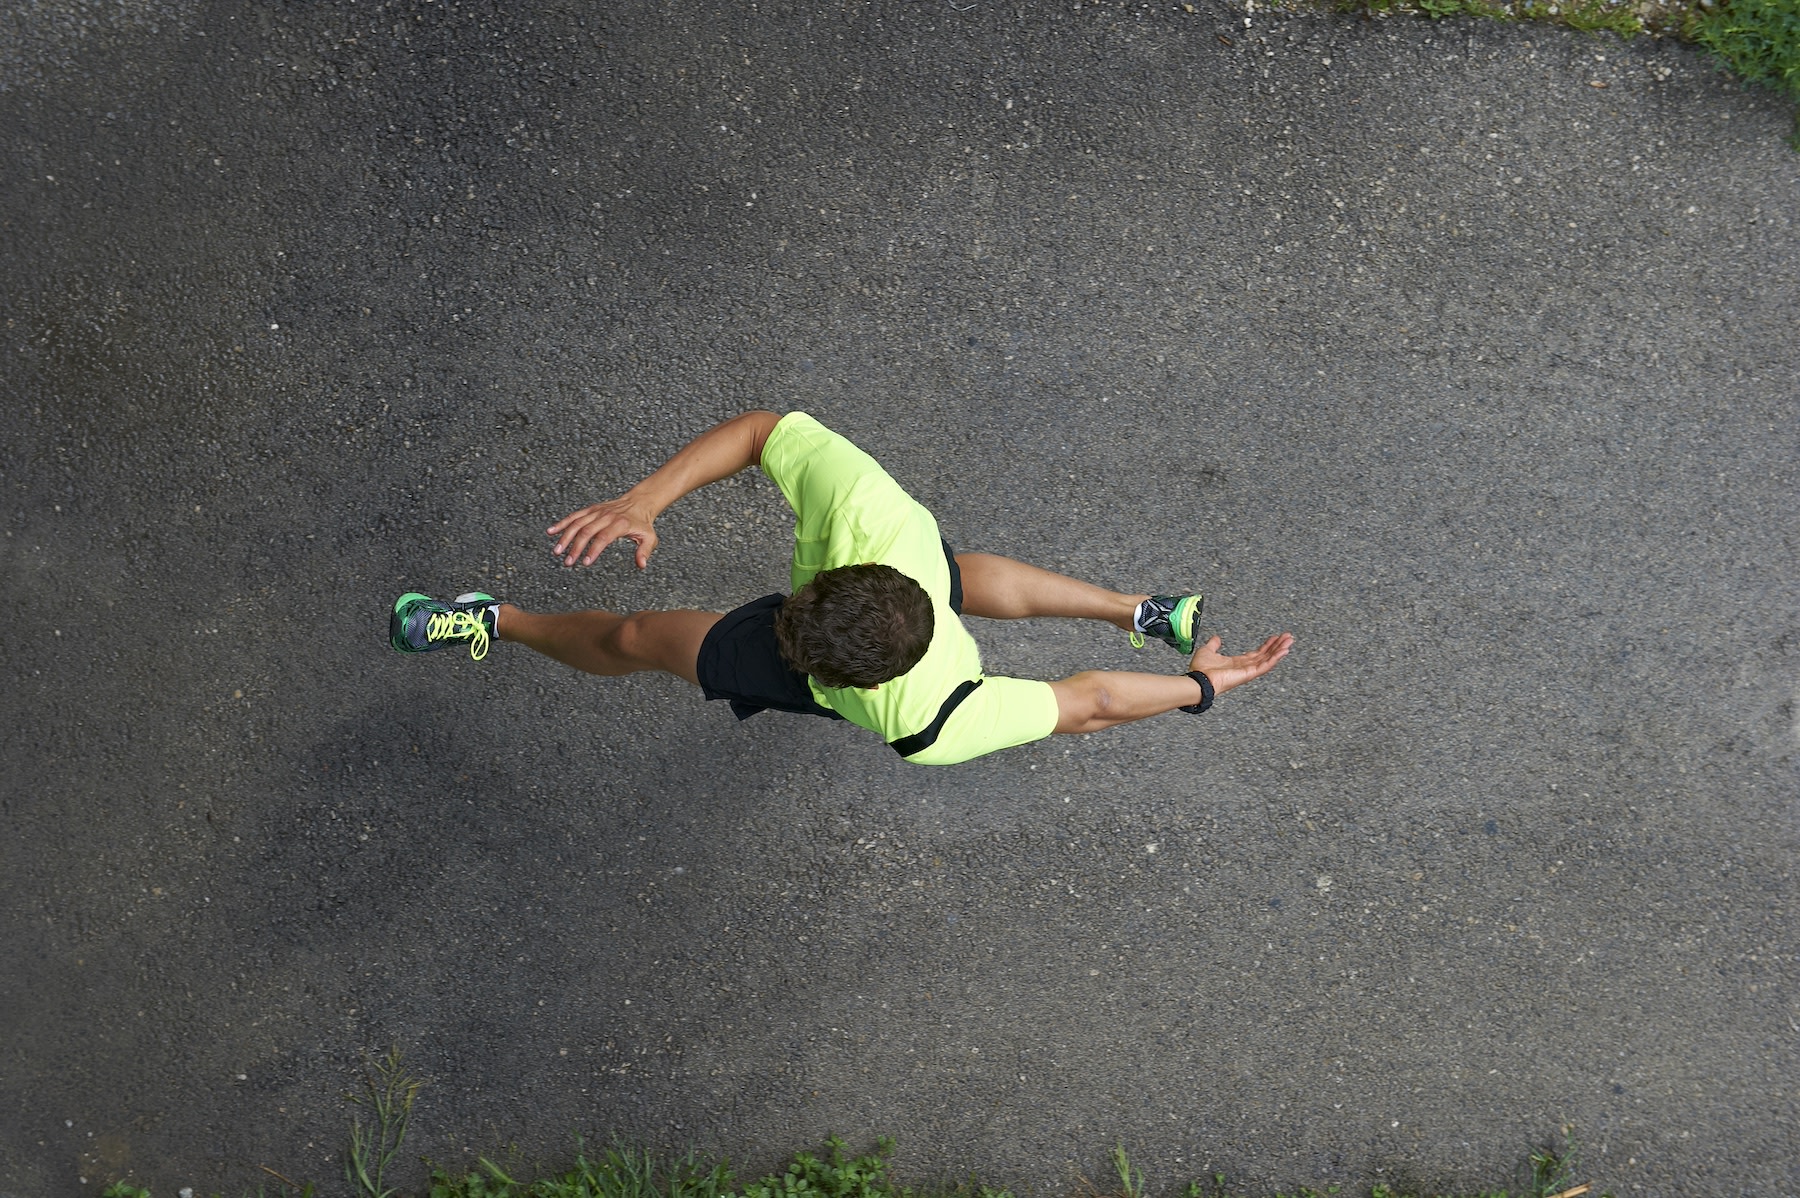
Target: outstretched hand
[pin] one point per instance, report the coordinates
(1227, 672)
(582, 535)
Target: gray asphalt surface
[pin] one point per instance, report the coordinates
(1465, 352)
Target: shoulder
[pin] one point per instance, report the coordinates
(800, 433)
(809, 461)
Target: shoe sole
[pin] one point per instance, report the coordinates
(1193, 619)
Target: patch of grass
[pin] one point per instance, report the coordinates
(1758, 39)
(1588, 16)
(623, 1171)
(620, 1172)
(626, 1171)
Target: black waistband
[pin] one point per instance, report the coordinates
(918, 742)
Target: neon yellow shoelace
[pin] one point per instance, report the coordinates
(459, 626)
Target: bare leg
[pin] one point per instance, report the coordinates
(603, 642)
(1000, 588)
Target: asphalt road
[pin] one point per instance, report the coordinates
(1465, 352)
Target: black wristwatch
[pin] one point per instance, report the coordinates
(1206, 693)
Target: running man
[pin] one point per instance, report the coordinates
(872, 632)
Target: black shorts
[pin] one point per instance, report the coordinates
(740, 662)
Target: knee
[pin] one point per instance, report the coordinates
(1100, 704)
(629, 638)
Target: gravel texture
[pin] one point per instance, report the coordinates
(1467, 352)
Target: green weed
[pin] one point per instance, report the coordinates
(838, 1176)
(1131, 1180)
(389, 1094)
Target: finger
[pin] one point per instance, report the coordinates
(574, 542)
(1207, 654)
(596, 545)
(592, 545)
(1272, 651)
(566, 530)
(569, 519)
(608, 534)
(645, 547)
(591, 536)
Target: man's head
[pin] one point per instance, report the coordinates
(855, 626)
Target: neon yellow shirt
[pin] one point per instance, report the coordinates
(848, 511)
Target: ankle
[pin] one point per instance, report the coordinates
(504, 615)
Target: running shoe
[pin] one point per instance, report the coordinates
(421, 624)
(1168, 618)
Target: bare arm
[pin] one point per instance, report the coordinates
(1097, 699)
(719, 452)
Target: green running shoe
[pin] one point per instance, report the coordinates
(421, 624)
(1170, 619)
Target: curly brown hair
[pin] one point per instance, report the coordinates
(855, 626)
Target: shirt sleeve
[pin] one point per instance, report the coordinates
(847, 509)
(998, 714)
(819, 470)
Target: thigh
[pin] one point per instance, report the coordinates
(667, 640)
(1000, 588)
